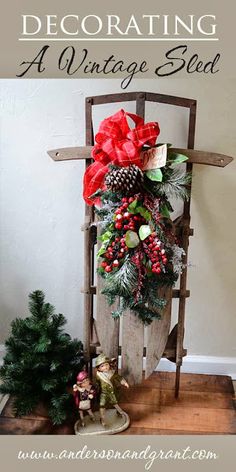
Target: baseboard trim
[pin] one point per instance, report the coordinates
(191, 364)
(211, 365)
(203, 365)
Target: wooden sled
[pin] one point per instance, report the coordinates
(128, 337)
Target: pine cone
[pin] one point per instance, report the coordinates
(127, 180)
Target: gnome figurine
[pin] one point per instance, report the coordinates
(107, 378)
(84, 392)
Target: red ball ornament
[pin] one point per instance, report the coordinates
(104, 264)
(118, 225)
(115, 263)
(108, 268)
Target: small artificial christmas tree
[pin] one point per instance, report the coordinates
(41, 361)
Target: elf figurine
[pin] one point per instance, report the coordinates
(107, 379)
(84, 392)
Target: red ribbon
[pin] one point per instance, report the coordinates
(117, 143)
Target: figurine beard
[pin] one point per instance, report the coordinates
(104, 367)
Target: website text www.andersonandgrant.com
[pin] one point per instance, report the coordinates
(148, 455)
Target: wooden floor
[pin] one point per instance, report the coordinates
(205, 406)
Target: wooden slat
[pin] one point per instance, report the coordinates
(140, 104)
(175, 292)
(132, 347)
(184, 242)
(170, 100)
(87, 284)
(157, 334)
(114, 98)
(71, 153)
(204, 157)
(151, 97)
(107, 327)
(88, 250)
(194, 157)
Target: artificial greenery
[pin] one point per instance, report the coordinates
(174, 184)
(132, 267)
(41, 361)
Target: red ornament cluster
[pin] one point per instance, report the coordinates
(154, 249)
(114, 254)
(125, 220)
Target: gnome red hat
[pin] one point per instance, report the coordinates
(82, 376)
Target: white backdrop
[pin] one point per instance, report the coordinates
(41, 212)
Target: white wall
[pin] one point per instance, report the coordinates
(41, 208)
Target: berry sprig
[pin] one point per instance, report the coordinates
(154, 250)
(114, 254)
(124, 220)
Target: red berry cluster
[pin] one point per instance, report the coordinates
(114, 254)
(125, 220)
(155, 251)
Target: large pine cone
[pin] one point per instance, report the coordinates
(127, 180)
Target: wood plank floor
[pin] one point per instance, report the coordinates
(205, 406)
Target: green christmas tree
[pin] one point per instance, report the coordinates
(41, 361)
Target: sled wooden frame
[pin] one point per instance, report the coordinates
(103, 334)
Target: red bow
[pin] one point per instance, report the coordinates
(118, 144)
